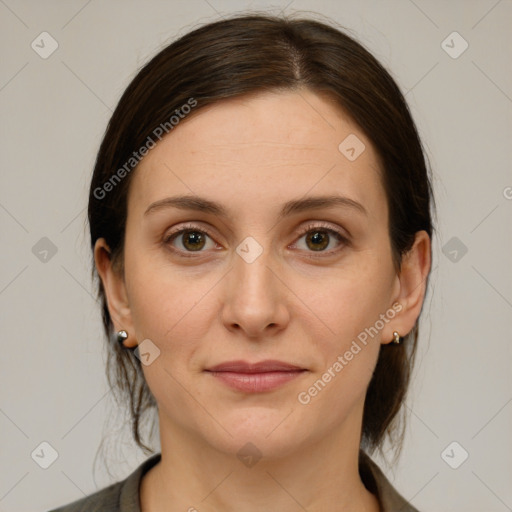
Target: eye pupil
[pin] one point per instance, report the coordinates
(193, 240)
(318, 237)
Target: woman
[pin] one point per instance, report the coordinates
(260, 224)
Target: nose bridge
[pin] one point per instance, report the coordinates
(253, 300)
(252, 277)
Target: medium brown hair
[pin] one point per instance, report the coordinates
(253, 53)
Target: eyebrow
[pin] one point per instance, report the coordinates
(197, 203)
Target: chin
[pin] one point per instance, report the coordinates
(259, 432)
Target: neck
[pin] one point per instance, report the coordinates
(195, 477)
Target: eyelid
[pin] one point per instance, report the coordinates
(322, 225)
(188, 227)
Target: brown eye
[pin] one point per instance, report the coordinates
(321, 239)
(317, 240)
(193, 240)
(190, 240)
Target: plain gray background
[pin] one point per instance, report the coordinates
(53, 113)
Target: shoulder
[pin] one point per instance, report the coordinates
(122, 496)
(376, 482)
(106, 500)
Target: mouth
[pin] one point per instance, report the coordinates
(255, 377)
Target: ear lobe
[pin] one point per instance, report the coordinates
(114, 286)
(412, 284)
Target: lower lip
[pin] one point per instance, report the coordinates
(256, 382)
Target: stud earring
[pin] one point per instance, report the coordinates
(122, 336)
(396, 338)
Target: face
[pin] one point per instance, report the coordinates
(264, 271)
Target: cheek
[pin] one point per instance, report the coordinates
(350, 300)
(170, 307)
(346, 314)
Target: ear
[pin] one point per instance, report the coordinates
(115, 291)
(411, 285)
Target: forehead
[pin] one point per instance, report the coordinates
(269, 146)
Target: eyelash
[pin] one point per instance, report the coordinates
(308, 228)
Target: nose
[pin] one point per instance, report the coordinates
(255, 298)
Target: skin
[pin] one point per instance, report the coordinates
(293, 303)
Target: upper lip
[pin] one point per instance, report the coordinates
(268, 365)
